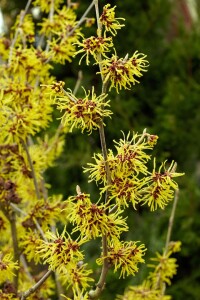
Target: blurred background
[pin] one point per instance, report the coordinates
(167, 103)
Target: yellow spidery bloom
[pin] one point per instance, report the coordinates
(97, 169)
(142, 292)
(63, 34)
(45, 5)
(78, 296)
(62, 50)
(163, 271)
(84, 113)
(7, 267)
(125, 190)
(174, 247)
(4, 48)
(94, 46)
(122, 72)
(124, 256)
(130, 159)
(46, 212)
(8, 296)
(29, 241)
(160, 190)
(26, 29)
(60, 251)
(77, 277)
(93, 220)
(131, 156)
(109, 20)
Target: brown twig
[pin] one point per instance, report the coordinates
(36, 286)
(12, 219)
(169, 231)
(171, 221)
(102, 279)
(32, 169)
(22, 16)
(82, 19)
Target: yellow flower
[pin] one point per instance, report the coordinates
(122, 72)
(84, 113)
(124, 256)
(163, 271)
(7, 267)
(8, 296)
(174, 247)
(46, 212)
(97, 170)
(4, 47)
(26, 29)
(140, 292)
(130, 159)
(45, 5)
(60, 251)
(131, 156)
(109, 20)
(160, 190)
(93, 220)
(62, 50)
(29, 241)
(125, 190)
(77, 277)
(94, 46)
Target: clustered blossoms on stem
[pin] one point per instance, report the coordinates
(63, 255)
(142, 292)
(84, 113)
(60, 251)
(109, 20)
(7, 267)
(165, 267)
(93, 220)
(131, 181)
(161, 186)
(28, 95)
(94, 46)
(45, 5)
(124, 256)
(123, 72)
(119, 72)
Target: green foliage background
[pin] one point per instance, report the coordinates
(167, 104)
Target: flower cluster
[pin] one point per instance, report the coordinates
(142, 292)
(46, 212)
(64, 33)
(123, 72)
(29, 93)
(93, 220)
(94, 46)
(60, 251)
(131, 181)
(7, 267)
(78, 278)
(124, 256)
(84, 113)
(45, 5)
(63, 255)
(109, 20)
(118, 72)
(152, 288)
(25, 29)
(165, 266)
(125, 168)
(161, 186)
